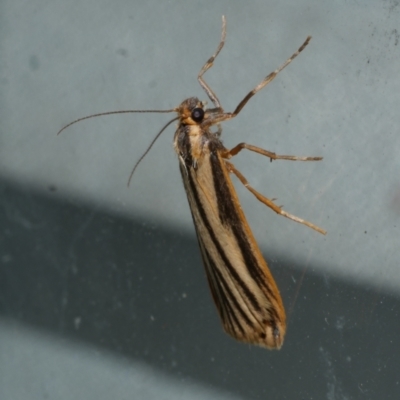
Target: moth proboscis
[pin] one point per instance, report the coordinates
(245, 293)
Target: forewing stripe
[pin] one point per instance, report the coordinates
(249, 295)
(230, 299)
(227, 315)
(228, 214)
(218, 294)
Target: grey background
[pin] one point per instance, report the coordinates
(102, 288)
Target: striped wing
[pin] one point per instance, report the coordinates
(244, 291)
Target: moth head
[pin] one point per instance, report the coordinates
(191, 111)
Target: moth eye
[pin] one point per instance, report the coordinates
(197, 114)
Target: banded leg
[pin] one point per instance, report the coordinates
(270, 154)
(269, 78)
(213, 97)
(269, 202)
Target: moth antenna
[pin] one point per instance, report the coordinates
(150, 146)
(114, 112)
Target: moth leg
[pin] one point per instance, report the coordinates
(269, 78)
(269, 202)
(209, 64)
(270, 154)
(229, 115)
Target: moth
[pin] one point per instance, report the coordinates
(245, 293)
